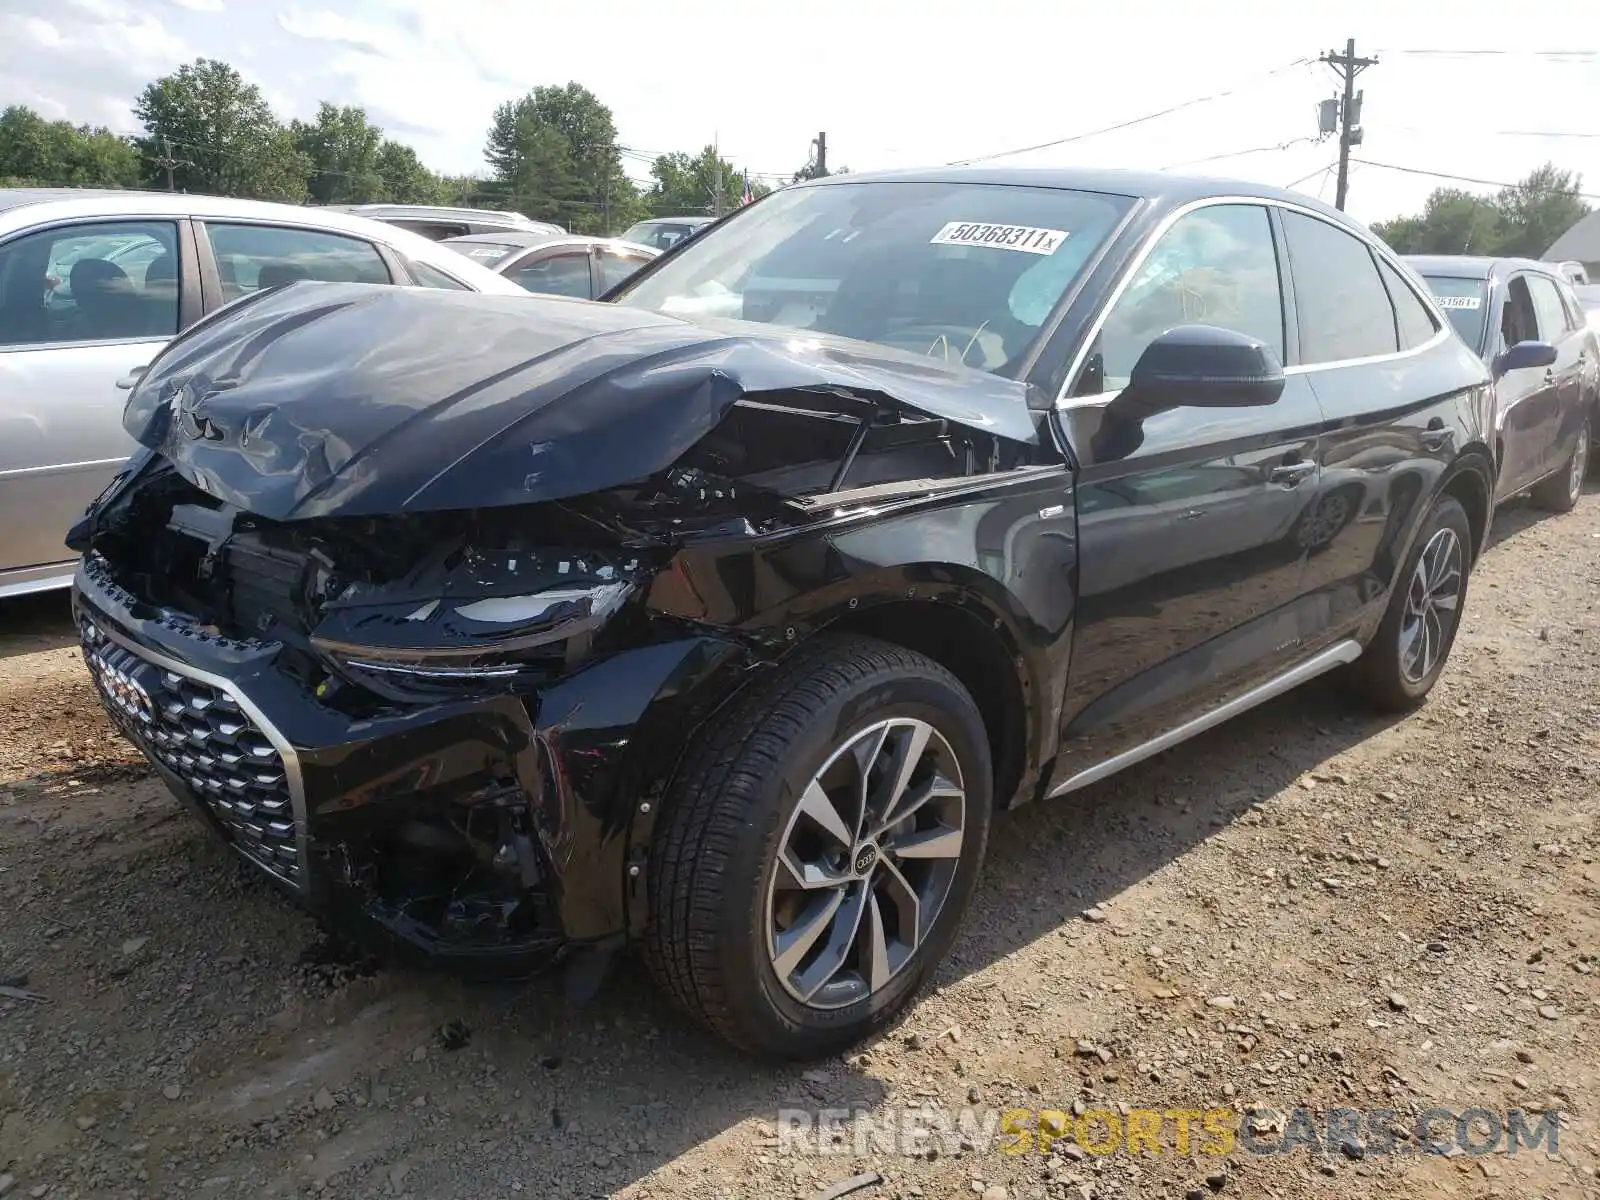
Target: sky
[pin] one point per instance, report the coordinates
(1460, 88)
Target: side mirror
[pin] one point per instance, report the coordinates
(1524, 355)
(1203, 366)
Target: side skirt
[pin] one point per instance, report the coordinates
(1337, 655)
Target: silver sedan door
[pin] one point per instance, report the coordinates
(82, 304)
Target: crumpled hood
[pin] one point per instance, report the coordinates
(361, 400)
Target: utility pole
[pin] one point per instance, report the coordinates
(1348, 67)
(822, 155)
(167, 162)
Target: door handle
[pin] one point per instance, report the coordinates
(1292, 474)
(131, 380)
(1191, 514)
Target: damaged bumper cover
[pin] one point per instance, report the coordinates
(331, 807)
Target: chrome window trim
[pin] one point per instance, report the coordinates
(291, 760)
(1442, 328)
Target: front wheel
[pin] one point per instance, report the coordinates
(1406, 656)
(1561, 491)
(821, 843)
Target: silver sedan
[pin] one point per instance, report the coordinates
(93, 284)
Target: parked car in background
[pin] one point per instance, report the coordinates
(93, 284)
(663, 233)
(555, 264)
(437, 223)
(1588, 295)
(1573, 271)
(1524, 320)
(721, 619)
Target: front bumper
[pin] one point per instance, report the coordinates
(293, 785)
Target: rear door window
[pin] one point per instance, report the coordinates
(252, 257)
(614, 267)
(1411, 314)
(1344, 309)
(99, 282)
(556, 275)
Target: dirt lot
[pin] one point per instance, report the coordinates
(1308, 907)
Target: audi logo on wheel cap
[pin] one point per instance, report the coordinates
(866, 859)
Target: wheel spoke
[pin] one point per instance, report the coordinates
(935, 787)
(816, 804)
(865, 751)
(835, 951)
(1411, 647)
(794, 943)
(809, 876)
(907, 928)
(908, 750)
(875, 948)
(938, 842)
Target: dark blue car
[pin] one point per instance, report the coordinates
(1523, 319)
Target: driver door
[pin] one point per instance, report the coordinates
(1191, 569)
(1525, 400)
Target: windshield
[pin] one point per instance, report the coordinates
(964, 272)
(485, 254)
(1463, 302)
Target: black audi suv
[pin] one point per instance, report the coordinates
(718, 619)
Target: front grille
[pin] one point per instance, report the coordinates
(201, 734)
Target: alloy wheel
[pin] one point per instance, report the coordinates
(865, 863)
(1579, 465)
(1433, 598)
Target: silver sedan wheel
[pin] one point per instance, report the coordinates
(865, 863)
(1432, 599)
(1579, 465)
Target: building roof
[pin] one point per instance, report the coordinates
(1581, 243)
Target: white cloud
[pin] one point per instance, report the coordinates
(83, 60)
(893, 82)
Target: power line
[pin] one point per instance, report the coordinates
(1533, 133)
(1312, 174)
(1078, 137)
(1367, 162)
(1574, 55)
(1194, 162)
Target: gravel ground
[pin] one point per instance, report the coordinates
(1309, 907)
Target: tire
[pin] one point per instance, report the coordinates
(1381, 675)
(1560, 492)
(725, 918)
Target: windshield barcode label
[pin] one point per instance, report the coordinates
(1000, 237)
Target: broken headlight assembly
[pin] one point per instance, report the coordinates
(494, 617)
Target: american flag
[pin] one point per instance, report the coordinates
(749, 196)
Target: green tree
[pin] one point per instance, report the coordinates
(1539, 209)
(223, 134)
(1452, 222)
(343, 150)
(690, 184)
(36, 152)
(554, 155)
(1522, 220)
(405, 180)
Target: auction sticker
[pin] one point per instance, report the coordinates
(1000, 237)
(1459, 301)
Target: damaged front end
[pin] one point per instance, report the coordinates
(443, 725)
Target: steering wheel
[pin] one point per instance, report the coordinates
(981, 347)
